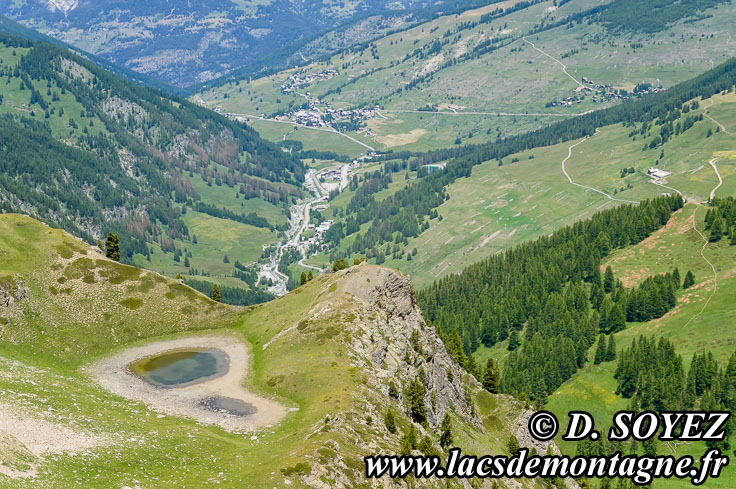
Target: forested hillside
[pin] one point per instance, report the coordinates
(536, 295)
(93, 153)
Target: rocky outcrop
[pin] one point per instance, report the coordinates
(396, 345)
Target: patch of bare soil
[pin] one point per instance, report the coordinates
(23, 439)
(115, 375)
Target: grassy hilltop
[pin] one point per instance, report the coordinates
(70, 306)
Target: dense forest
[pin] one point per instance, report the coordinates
(549, 298)
(125, 159)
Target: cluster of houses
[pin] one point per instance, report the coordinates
(600, 93)
(297, 81)
(323, 115)
(333, 175)
(315, 242)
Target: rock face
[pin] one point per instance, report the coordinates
(397, 344)
(390, 344)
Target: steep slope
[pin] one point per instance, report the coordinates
(198, 41)
(702, 323)
(493, 71)
(93, 153)
(339, 352)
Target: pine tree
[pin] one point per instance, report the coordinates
(216, 293)
(611, 352)
(604, 243)
(601, 350)
(112, 247)
(689, 280)
(490, 377)
(390, 421)
(339, 265)
(512, 445)
(310, 276)
(716, 230)
(414, 395)
(608, 280)
(446, 431)
(455, 347)
(676, 278)
(616, 319)
(513, 341)
(303, 279)
(733, 236)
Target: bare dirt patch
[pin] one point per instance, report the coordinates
(412, 136)
(114, 374)
(23, 439)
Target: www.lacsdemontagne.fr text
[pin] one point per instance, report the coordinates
(639, 469)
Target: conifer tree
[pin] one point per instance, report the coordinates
(390, 421)
(716, 230)
(676, 278)
(112, 247)
(611, 351)
(616, 319)
(490, 377)
(601, 350)
(512, 445)
(608, 280)
(216, 293)
(513, 341)
(303, 278)
(733, 236)
(689, 280)
(414, 394)
(310, 276)
(446, 431)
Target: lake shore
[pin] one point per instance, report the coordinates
(114, 374)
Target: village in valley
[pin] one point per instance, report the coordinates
(601, 93)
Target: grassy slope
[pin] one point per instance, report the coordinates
(703, 320)
(514, 79)
(52, 335)
(500, 206)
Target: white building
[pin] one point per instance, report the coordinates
(657, 173)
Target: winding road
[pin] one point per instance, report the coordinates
(715, 272)
(712, 163)
(564, 67)
(296, 124)
(569, 178)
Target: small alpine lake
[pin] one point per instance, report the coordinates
(182, 368)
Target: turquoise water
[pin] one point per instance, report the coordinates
(181, 368)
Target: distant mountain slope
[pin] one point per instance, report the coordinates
(13, 28)
(196, 41)
(494, 71)
(92, 153)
